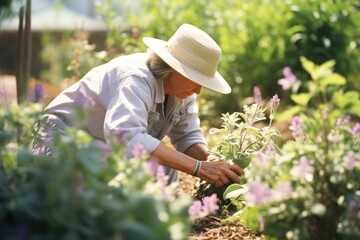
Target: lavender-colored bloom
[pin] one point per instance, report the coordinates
(341, 121)
(37, 94)
(303, 168)
(296, 126)
(350, 161)
(261, 159)
(257, 95)
(162, 180)
(207, 206)
(274, 102)
(139, 151)
(210, 204)
(356, 130)
(283, 190)
(151, 166)
(161, 176)
(289, 79)
(270, 150)
(195, 209)
(258, 193)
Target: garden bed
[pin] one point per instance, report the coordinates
(213, 227)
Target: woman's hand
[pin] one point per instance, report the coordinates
(220, 173)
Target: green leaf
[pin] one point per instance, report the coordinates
(301, 99)
(349, 100)
(309, 66)
(356, 108)
(234, 190)
(333, 79)
(243, 161)
(323, 69)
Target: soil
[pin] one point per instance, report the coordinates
(213, 227)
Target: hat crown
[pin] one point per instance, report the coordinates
(196, 49)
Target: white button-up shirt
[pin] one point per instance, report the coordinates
(123, 98)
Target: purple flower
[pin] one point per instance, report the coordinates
(210, 204)
(296, 126)
(261, 159)
(356, 130)
(283, 190)
(341, 121)
(151, 166)
(38, 93)
(258, 193)
(162, 179)
(139, 151)
(161, 176)
(350, 161)
(270, 150)
(257, 95)
(274, 102)
(207, 206)
(289, 79)
(195, 209)
(303, 168)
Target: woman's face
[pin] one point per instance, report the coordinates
(180, 86)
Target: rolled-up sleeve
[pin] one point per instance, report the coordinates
(187, 131)
(127, 113)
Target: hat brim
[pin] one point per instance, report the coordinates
(215, 83)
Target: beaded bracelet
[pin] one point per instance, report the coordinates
(197, 168)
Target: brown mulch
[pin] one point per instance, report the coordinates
(213, 227)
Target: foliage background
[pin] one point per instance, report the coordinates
(258, 38)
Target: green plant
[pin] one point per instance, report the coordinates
(70, 57)
(242, 134)
(80, 193)
(309, 188)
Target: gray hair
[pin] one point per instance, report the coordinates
(157, 66)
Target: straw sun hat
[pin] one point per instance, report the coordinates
(194, 54)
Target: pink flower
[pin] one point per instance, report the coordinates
(289, 79)
(296, 126)
(356, 130)
(261, 159)
(210, 204)
(350, 161)
(139, 151)
(151, 166)
(257, 95)
(303, 168)
(274, 102)
(283, 190)
(195, 209)
(162, 180)
(258, 193)
(207, 206)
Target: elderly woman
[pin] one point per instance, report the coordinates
(145, 97)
